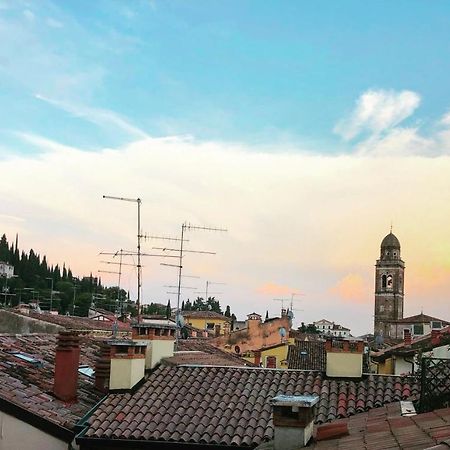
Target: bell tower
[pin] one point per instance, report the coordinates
(389, 286)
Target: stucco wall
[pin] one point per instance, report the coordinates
(125, 373)
(157, 350)
(18, 435)
(255, 337)
(344, 364)
(16, 324)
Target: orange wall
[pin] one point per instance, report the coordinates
(255, 337)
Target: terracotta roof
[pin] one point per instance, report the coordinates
(420, 318)
(29, 384)
(205, 315)
(385, 428)
(423, 343)
(230, 406)
(77, 323)
(307, 355)
(199, 352)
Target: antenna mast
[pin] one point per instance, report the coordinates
(138, 201)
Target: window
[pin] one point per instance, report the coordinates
(436, 325)
(390, 282)
(271, 362)
(210, 326)
(418, 328)
(383, 281)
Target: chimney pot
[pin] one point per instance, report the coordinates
(67, 361)
(293, 420)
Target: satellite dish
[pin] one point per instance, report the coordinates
(282, 332)
(237, 349)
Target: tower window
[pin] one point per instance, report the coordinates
(383, 281)
(389, 280)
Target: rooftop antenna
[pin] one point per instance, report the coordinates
(186, 226)
(138, 201)
(208, 283)
(292, 299)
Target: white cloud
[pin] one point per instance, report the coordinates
(378, 111)
(98, 116)
(294, 220)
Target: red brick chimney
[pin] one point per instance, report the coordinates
(67, 360)
(435, 337)
(407, 337)
(103, 368)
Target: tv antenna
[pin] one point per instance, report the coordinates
(209, 283)
(186, 226)
(138, 201)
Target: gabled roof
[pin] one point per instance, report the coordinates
(423, 343)
(385, 428)
(26, 381)
(421, 318)
(228, 405)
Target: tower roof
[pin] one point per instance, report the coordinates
(390, 241)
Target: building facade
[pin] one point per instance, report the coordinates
(389, 286)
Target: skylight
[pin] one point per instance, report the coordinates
(27, 358)
(86, 370)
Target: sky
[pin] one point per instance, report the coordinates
(304, 128)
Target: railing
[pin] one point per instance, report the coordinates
(435, 384)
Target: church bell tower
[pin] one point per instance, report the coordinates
(389, 284)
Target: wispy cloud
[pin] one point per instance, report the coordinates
(378, 111)
(299, 227)
(97, 116)
(51, 22)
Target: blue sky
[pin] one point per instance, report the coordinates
(257, 72)
(305, 128)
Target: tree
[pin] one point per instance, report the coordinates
(168, 310)
(227, 311)
(182, 305)
(267, 315)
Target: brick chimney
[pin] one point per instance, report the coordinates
(103, 368)
(344, 357)
(293, 420)
(159, 336)
(407, 337)
(435, 337)
(127, 364)
(67, 360)
(253, 322)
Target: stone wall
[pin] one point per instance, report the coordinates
(11, 323)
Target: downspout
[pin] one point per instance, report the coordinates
(412, 364)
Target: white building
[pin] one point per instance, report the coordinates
(6, 270)
(329, 328)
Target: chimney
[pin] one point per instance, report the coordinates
(253, 323)
(67, 360)
(159, 337)
(435, 337)
(344, 357)
(407, 337)
(293, 420)
(103, 368)
(127, 364)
